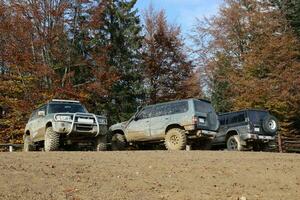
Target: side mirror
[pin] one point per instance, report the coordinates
(41, 113)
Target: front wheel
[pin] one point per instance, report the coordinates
(234, 143)
(175, 139)
(118, 142)
(51, 142)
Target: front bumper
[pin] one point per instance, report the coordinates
(78, 129)
(90, 127)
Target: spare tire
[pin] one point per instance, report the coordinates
(270, 125)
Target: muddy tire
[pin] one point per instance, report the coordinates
(51, 142)
(27, 144)
(234, 143)
(175, 139)
(118, 142)
(101, 144)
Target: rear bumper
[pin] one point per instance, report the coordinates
(255, 137)
(205, 133)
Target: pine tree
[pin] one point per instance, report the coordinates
(121, 33)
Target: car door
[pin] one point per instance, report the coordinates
(139, 128)
(159, 121)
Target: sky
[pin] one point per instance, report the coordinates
(182, 12)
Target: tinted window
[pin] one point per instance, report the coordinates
(65, 108)
(257, 116)
(203, 106)
(145, 113)
(236, 118)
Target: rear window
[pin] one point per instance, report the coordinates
(65, 108)
(257, 116)
(203, 106)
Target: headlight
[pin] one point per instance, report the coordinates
(63, 118)
(102, 121)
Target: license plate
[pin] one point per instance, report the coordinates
(256, 129)
(85, 121)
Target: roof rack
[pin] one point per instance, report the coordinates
(64, 100)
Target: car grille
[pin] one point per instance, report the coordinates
(83, 127)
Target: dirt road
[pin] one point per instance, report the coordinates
(149, 175)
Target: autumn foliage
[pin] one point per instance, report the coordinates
(112, 59)
(252, 60)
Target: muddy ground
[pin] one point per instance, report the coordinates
(149, 175)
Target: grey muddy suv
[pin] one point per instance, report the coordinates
(177, 123)
(64, 123)
(246, 129)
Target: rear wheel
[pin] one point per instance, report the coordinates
(27, 144)
(51, 142)
(175, 139)
(118, 142)
(234, 143)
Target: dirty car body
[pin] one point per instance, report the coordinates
(196, 118)
(69, 119)
(253, 128)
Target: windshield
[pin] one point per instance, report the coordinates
(257, 116)
(203, 106)
(65, 108)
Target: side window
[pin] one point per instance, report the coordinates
(145, 113)
(231, 119)
(241, 117)
(160, 110)
(236, 118)
(179, 107)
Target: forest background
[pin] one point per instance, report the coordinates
(112, 59)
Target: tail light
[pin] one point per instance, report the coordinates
(194, 120)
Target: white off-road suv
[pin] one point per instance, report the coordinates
(65, 124)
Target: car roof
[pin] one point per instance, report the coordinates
(179, 100)
(63, 101)
(244, 110)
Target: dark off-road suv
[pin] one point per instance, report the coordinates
(64, 123)
(246, 129)
(177, 123)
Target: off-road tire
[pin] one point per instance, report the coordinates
(233, 143)
(118, 142)
(101, 144)
(27, 144)
(175, 139)
(51, 142)
(270, 125)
